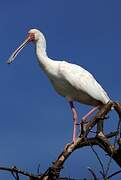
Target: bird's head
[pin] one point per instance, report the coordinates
(33, 35)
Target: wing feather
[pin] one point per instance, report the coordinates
(82, 80)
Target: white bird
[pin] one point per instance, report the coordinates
(69, 80)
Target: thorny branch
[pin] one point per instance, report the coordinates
(84, 139)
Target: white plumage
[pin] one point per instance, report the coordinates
(76, 83)
(69, 80)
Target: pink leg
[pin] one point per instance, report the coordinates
(89, 113)
(75, 119)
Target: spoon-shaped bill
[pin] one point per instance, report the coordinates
(16, 52)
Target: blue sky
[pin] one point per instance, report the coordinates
(36, 122)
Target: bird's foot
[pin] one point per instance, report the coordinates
(77, 124)
(84, 121)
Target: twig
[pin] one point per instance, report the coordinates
(117, 107)
(98, 158)
(117, 172)
(18, 171)
(93, 174)
(14, 176)
(115, 140)
(38, 169)
(17, 176)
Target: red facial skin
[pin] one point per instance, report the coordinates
(31, 36)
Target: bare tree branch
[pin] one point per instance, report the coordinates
(84, 139)
(55, 169)
(113, 174)
(93, 174)
(19, 171)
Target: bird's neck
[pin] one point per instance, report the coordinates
(43, 59)
(49, 66)
(41, 48)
